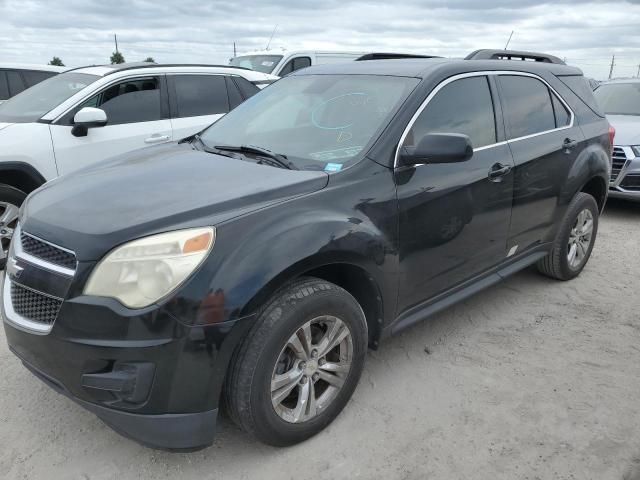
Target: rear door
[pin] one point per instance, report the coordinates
(197, 100)
(454, 217)
(544, 141)
(137, 116)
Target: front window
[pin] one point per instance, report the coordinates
(259, 63)
(33, 103)
(319, 122)
(619, 98)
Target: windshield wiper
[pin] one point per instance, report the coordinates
(205, 148)
(275, 158)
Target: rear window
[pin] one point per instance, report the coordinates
(528, 106)
(580, 86)
(35, 76)
(198, 95)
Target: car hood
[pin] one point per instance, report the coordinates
(627, 129)
(154, 190)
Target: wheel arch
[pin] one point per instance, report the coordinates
(20, 175)
(596, 187)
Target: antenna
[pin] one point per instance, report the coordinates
(115, 39)
(272, 34)
(235, 54)
(509, 41)
(613, 63)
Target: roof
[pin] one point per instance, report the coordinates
(422, 67)
(284, 51)
(33, 66)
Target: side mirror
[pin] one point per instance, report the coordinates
(86, 118)
(438, 148)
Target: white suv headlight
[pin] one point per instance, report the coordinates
(141, 272)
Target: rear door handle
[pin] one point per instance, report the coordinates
(569, 145)
(498, 170)
(156, 139)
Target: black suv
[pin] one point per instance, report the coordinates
(252, 265)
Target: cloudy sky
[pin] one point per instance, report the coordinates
(81, 32)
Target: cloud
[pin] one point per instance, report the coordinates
(81, 31)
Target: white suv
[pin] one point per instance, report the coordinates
(85, 115)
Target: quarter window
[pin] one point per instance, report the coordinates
(200, 95)
(563, 117)
(528, 107)
(464, 106)
(132, 101)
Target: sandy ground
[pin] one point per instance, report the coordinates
(531, 379)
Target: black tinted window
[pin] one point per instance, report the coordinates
(563, 117)
(4, 87)
(582, 88)
(247, 88)
(34, 76)
(464, 106)
(295, 64)
(15, 82)
(235, 97)
(132, 101)
(527, 106)
(200, 95)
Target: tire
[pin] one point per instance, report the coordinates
(558, 264)
(10, 198)
(267, 351)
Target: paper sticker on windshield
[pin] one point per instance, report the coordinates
(267, 63)
(333, 167)
(336, 154)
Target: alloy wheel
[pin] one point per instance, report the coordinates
(311, 369)
(580, 238)
(8, 220)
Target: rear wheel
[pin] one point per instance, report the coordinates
(299, 365)
(10, 200)
(574, 242)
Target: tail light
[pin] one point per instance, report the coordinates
(612, 136)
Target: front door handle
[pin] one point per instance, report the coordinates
(498, 170)
(569, 144)
(156, 139)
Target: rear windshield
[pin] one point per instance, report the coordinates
(580, 86)
(619, 98)
(33, 103)
(259, 63)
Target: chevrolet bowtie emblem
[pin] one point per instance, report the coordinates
(13, 269)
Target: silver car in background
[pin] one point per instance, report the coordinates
(620, 100)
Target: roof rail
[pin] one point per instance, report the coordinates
(488, 54)
(119, 67)
(387, 56)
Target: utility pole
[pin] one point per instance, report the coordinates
(613, 62)
(115, 39)
(234, 50)
(509, 41)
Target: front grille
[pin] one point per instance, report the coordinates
(34, 306)
(47, 252)
(619, 158)
(631, 182)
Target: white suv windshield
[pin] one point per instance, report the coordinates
(33, 103)
(619, 98)
(259, 63)
(319, 122)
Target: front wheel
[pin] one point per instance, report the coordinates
(574, 242)
(10, 200)
(300, 363)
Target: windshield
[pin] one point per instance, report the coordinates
(259, 63)
(619, 98)
(33, 103)
(319, 122)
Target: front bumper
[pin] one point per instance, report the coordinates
(625, 176)
(147, 375)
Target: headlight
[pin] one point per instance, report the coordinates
(636, 150)
(142, 272)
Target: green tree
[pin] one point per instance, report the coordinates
(117, 57)
(149, 60)
(56, 61)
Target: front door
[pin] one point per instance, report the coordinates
(454, 218)
(137, 117)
